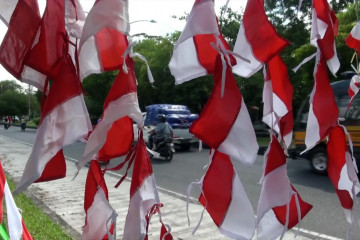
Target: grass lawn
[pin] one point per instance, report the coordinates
(40, 226)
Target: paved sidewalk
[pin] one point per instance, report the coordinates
(62, 200)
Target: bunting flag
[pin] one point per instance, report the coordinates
(17, 42)
(353, 88)
(342, 174)
(64, 117)
(15, 223)
(323, 111)
(257, 40)
(353, 39)
(114, 138)
(103, 40)
(225, 199)
(277, 98)
(193, 56)
(280, 206)
(323, 31)
(224, 123)
(100, 218)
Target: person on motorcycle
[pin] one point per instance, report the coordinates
(162, 132)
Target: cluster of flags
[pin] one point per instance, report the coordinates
(63, 46)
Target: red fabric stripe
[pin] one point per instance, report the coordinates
(353, 43)
(23, 26)
(54, 169)
(260, 33)
(25, 234)
(324, 105)
(111, 45)
(336, 149)
(2, 186)
(276, 157)
(142, 167)
(280, 212)
(219, 113)
(217, 187)
(287, 123)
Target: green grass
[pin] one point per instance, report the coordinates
(40, 226)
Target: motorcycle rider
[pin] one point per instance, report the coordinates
(163, 131)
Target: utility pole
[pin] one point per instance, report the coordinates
(29, 101)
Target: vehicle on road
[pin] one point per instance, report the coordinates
(348, 116)
(164, 151)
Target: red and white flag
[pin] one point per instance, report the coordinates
(114, 133)
(323, 31)
(103, 40)
(64, 117)
(15, 223)
(323, 111)
(277, 98)
(224, 123)
(280, 206)
(225, 199)
(193, 55)
(257, 40)
(342, 174)
(353, 39)
(100, 218)
(353, 88)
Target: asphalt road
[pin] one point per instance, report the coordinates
(326, 217)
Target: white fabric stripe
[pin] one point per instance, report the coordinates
(64, 125)
(345, 183)
(89, 59)
(355, 32)
(126, 105)
(13, 215)
(184, 64)
(6, 10)
(241, 143)
(140, 203)
(243, 48)
(201, 20)
(318, 29)
(312, 130)
(269, 228)
(33, 77)
(239, 222)
(288, 138)
(279, 106)
(97, 217)
(334, 63)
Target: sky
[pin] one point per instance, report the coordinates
(141, 12)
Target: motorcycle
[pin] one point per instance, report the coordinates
(164, 150)
(23, 126)
(6, 125)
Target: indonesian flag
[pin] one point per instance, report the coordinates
(323, 111)
(257, 40)
(103, 40)
(16, 226)
(224, 123)
(193, 56)
(342, 174)
(280, 206)
(22, 29)
(277, 98)
(353, 88)
(114, 133)
(225, 199)
(323, 31)
(97, 206)
(143, 194)
(353, 39)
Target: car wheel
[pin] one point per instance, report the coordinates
(319, 161)
(169, 156)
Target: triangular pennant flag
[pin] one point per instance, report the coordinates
(353, 39)
(353, 88)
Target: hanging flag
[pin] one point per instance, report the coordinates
(114, 138)
(103, 40)
(323, 111)
(224, 123)
(324, 28)
(22, 29)
(280, 206)
(277, 98)
(353, 39)
(257, 40)
(100, 217)
(64, 117)
(353, 88)
(193, 56)
(15, 223)
(225, 199)
(342, 174)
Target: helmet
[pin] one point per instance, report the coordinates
(161, 117)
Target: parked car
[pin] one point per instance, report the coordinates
(349, 117)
